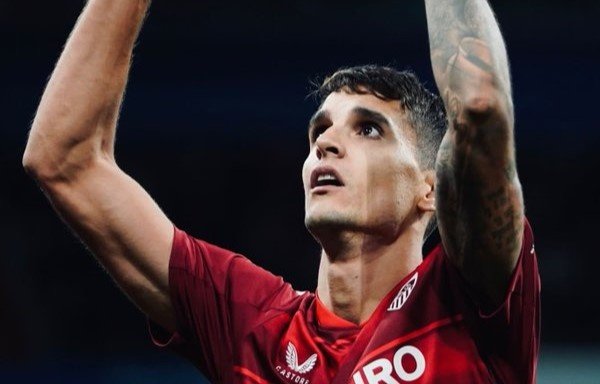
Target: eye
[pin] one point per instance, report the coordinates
(316, 132)
(370, 129)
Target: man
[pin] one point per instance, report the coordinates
(467, 313)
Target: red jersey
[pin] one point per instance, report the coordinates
(241, 324)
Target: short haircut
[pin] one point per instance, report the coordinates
(424, 110)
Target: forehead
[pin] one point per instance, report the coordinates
(341, 104)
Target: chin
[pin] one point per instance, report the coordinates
(324, 223)
(329, 221)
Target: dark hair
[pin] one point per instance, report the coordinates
(424, 110)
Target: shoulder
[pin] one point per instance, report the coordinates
(229, 273)
(523, 286)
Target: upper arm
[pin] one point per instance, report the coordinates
(123, 227)
(479, 198)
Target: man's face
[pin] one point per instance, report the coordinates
(361, 173)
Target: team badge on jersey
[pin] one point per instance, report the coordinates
(295, 369)
(403, 294)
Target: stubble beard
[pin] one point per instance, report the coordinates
(331, 224)
(340, 227)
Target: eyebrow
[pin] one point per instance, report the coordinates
(370, 114)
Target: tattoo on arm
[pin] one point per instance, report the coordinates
(501, 215)
(480, 213)
(479, 203)
(465, 41)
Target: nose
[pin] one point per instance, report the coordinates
(328, 144)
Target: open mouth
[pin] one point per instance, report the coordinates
(325, 176)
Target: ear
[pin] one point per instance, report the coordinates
(427, 198)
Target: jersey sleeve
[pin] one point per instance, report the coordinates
(217, 295)
(508, 336)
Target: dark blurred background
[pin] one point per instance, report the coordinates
(213, 126)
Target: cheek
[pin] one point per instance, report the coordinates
(391, 184)
(306, 172)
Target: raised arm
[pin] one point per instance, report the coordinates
(70, 154)
(479, 199)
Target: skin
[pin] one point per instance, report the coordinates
(371, 229)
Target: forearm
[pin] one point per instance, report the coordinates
(468, 57)
(77, 115)
(470, 66)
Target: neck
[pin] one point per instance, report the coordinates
(358, 270)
